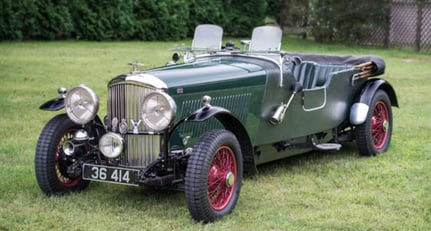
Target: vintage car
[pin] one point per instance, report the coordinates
(214, 112)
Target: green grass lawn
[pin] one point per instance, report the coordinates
(314, 191)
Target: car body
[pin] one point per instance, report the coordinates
(199, 124)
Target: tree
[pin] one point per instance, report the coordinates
(346, 21)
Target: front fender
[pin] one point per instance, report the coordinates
(53, 104)
(200, 115)
(359, 110)
(230, 123)
(205, 113)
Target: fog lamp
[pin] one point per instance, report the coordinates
(111, 145)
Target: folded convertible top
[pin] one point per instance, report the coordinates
(378, 62)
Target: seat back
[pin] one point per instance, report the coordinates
(312, 75)
(207, 36)
(304, 73)
(266, 38)
(324, 72)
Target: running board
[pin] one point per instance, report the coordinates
(328, 146)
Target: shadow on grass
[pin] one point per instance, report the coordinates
(147, 201)
(169, 204)
(348, 152)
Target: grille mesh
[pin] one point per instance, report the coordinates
(124, 102)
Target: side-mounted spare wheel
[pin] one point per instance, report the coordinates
(50, 162)
(374, 135)
(214, 175)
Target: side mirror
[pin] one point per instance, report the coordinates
(175, 57)
(229, 46)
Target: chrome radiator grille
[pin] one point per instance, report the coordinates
(141, 150)
(124, 103)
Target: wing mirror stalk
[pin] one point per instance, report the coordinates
(278, 116)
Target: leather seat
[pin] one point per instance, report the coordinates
(312, 75)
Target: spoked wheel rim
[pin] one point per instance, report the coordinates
(380, 125)
(222, 177)
(61, 165)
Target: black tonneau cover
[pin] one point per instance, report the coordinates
(378, 62)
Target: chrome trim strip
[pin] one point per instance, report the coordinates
(147, 79)
(319, 107)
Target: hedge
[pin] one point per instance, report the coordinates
(325, 20)
(124, 19)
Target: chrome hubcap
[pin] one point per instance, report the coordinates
(385, 125)
(230, 179)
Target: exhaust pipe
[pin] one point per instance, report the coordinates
(278, 115)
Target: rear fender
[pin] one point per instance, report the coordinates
(359, 110)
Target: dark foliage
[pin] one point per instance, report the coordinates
(102, 19)
(124, 19)
(242, 23)
(331, 20)
(347, 21)
(208, 12)
(161, 20)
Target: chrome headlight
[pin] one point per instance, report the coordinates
(111, 145)
(81, 104)
(158, 110)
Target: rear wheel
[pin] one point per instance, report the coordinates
(50, 161)
(213, 176)
(374, 135)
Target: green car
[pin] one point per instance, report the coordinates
(211, 114)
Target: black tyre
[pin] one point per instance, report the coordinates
(374, 135)
(50, 164)
(213, 176)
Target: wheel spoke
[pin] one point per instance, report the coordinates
(215, 180)
(222, 167)
(379, 120)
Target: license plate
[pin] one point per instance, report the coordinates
(110, 174)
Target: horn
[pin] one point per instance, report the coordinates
(68, 148)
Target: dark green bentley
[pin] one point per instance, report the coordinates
(198, 124)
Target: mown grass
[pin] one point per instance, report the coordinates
(315, 191)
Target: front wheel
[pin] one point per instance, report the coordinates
(213, 176)
(374, 135)
(50, 161)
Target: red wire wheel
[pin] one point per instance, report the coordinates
(213, 176)
(221, 178)
(380, 125)
(50, 163)
(374, 135)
